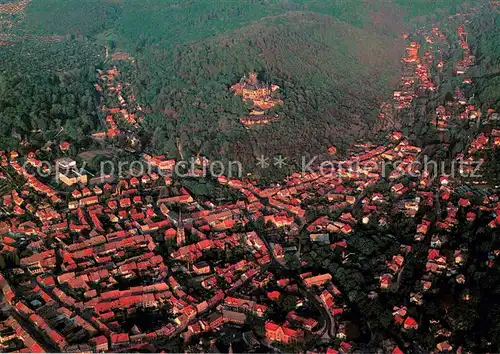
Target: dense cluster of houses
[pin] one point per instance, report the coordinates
(415, 79)
(417, 64)
(80, 247)
(459, 108)
(13, 8)
(118, 104)
(89, 256)
(444, 258)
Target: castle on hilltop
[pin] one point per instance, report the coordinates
(263, 96)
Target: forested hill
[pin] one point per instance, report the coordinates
(487, 72)
(170, 21)
(334, 60)
(330, 83)
(173, 21)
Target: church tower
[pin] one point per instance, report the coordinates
(181, 233)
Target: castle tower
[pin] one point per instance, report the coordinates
(252, 78)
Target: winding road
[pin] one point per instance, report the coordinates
(329, 324)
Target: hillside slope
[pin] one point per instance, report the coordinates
(335, 63)
(332, 75)
(168, 22)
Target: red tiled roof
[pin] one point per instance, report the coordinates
(274, 295)
(410, 323)
(397, 350)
